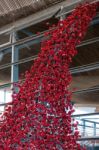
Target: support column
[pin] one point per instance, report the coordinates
(15, 55)
(84, 128)
(94, 129)
(62, 17)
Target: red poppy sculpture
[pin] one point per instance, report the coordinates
(40, 115)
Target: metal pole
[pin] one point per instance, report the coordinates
(94, 129)
(13, 49)
(84, 128)
(14, 68)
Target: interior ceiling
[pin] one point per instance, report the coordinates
(12, 10)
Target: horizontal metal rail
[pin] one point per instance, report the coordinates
(88, 42)
(93, 89)
(87, 114)
(87, 126)
(74, 70)
(85, 119)
(88, 138)
(18, 62)
(85, 68)
(5, 104)
(91, 118)
(22, 41)
(41, 35)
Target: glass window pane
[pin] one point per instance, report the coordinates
(4, 38)
(23, 68)
(92, 31)
(2, 109)
(89, 52)
(86, 80)
(5, 95)
(5, 76)
(5, 56)
(37, 28)
(86, 54)
(83, 109)
(29, 49)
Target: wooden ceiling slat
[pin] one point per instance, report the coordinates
(3, 5)
(1, 9)
(10, 5)
(17, 4)
(29, 2)
(13, 4)
(24, 2)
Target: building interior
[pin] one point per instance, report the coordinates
(22, 27)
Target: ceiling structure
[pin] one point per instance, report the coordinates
(7, 6)
(12, 10)
(19, 13)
